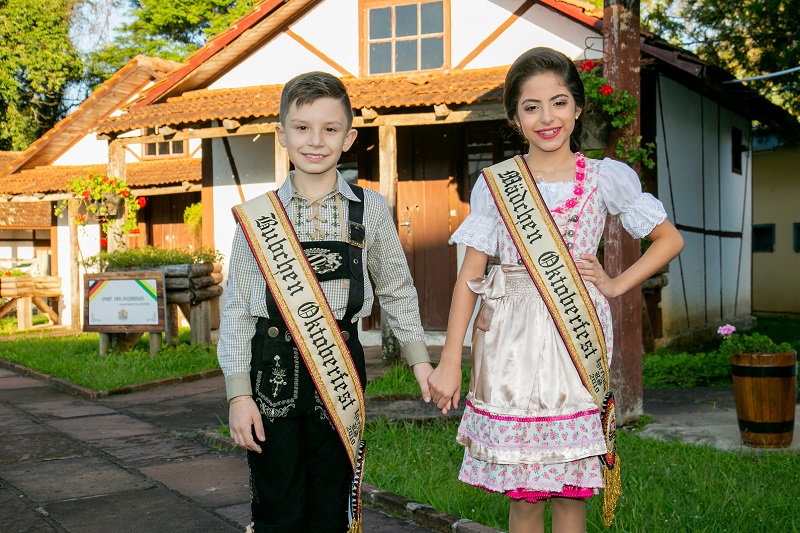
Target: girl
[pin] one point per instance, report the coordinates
(532, 429)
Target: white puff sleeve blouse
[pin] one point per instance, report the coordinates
(619, 188)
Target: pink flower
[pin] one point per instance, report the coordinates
(606, 90)
(570, 203)
(578, 191)
(727, 329)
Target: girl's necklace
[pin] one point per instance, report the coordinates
(577, 190)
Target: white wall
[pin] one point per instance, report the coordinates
(87, 151)
(709, 284)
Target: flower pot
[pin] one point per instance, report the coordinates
(596, 130)
(764, 387)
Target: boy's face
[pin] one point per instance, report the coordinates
(315, 135)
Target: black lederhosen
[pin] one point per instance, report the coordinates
(300, 481)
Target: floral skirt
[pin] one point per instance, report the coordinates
(530, 428)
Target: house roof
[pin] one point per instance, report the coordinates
(52, 178)
(7, 157)
(110, 96)
(270, 18)
(377, 92)
(25, 215)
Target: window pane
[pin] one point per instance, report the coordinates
(163, 148)
(177, 147)
(405, 20)
(380, 23)
(432, 17)
(405, 56)
(432, 53)
(380, 58)
(151, 149)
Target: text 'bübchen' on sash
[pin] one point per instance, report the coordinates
(308, 316)
(547, 259)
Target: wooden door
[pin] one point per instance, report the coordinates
(425, 173)
(162, 221)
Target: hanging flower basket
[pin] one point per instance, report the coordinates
(596, 131)
(103, 199)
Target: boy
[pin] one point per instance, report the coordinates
(294, 368)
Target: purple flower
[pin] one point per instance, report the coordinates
(727, 329)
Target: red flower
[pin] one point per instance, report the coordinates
(7, 273)
(103, 242)
(80, 218)
(113, 182)
(105, 179)
(135, 231)
(124, 193)
(587, 65)
(142, 201)
(86, 194)
(606, 90)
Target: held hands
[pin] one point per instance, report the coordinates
(592, 271)
(244, 419)
(421, 373)
(445, 386)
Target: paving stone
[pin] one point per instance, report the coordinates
(21, 382)
(239, 513)
(213, 482)
(151, 449)
(94, 428)
(42, 446)
(13, 423)
(144, 511)
(17, 517)
(31, 395)
(66, 409)
(47, 481)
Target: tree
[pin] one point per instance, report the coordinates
(38, 62)
(747, 37)
(169, 29)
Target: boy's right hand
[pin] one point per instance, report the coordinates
(244, 420)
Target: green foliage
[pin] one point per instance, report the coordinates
(37, 64)
(618, 105)
(752, 343)
(77, 359)
(150, 256)
(667, 369)
(746, 38)
(633, 152)
(667, 486)
(399, 379)
(193, 217)
(14, 272)
(169, 29)
(91, 192)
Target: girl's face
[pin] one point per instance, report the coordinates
(546, 113)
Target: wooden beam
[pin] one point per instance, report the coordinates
(477, 113)
(387, 162)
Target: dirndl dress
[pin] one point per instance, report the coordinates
(530, 428)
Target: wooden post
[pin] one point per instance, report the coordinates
(155, 342)
(74, 272)
(387, 162)
(117, 169)
(105, 343)
(24, 313)
(199, 322)
(281, 162)
(621, 67)
(171, 324)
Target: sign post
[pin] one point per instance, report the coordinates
(122, 303)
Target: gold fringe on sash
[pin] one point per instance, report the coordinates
(611, 493)
(356, 526)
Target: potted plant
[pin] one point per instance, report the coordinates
(764, 387)
(104, 199)
(606, 109)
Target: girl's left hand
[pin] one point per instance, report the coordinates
(592, 271)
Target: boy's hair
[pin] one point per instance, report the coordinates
(538, 61)
(309, 87)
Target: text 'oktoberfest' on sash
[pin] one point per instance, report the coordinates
(516, 192)
(312, 320)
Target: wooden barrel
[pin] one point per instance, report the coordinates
(764, 387)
